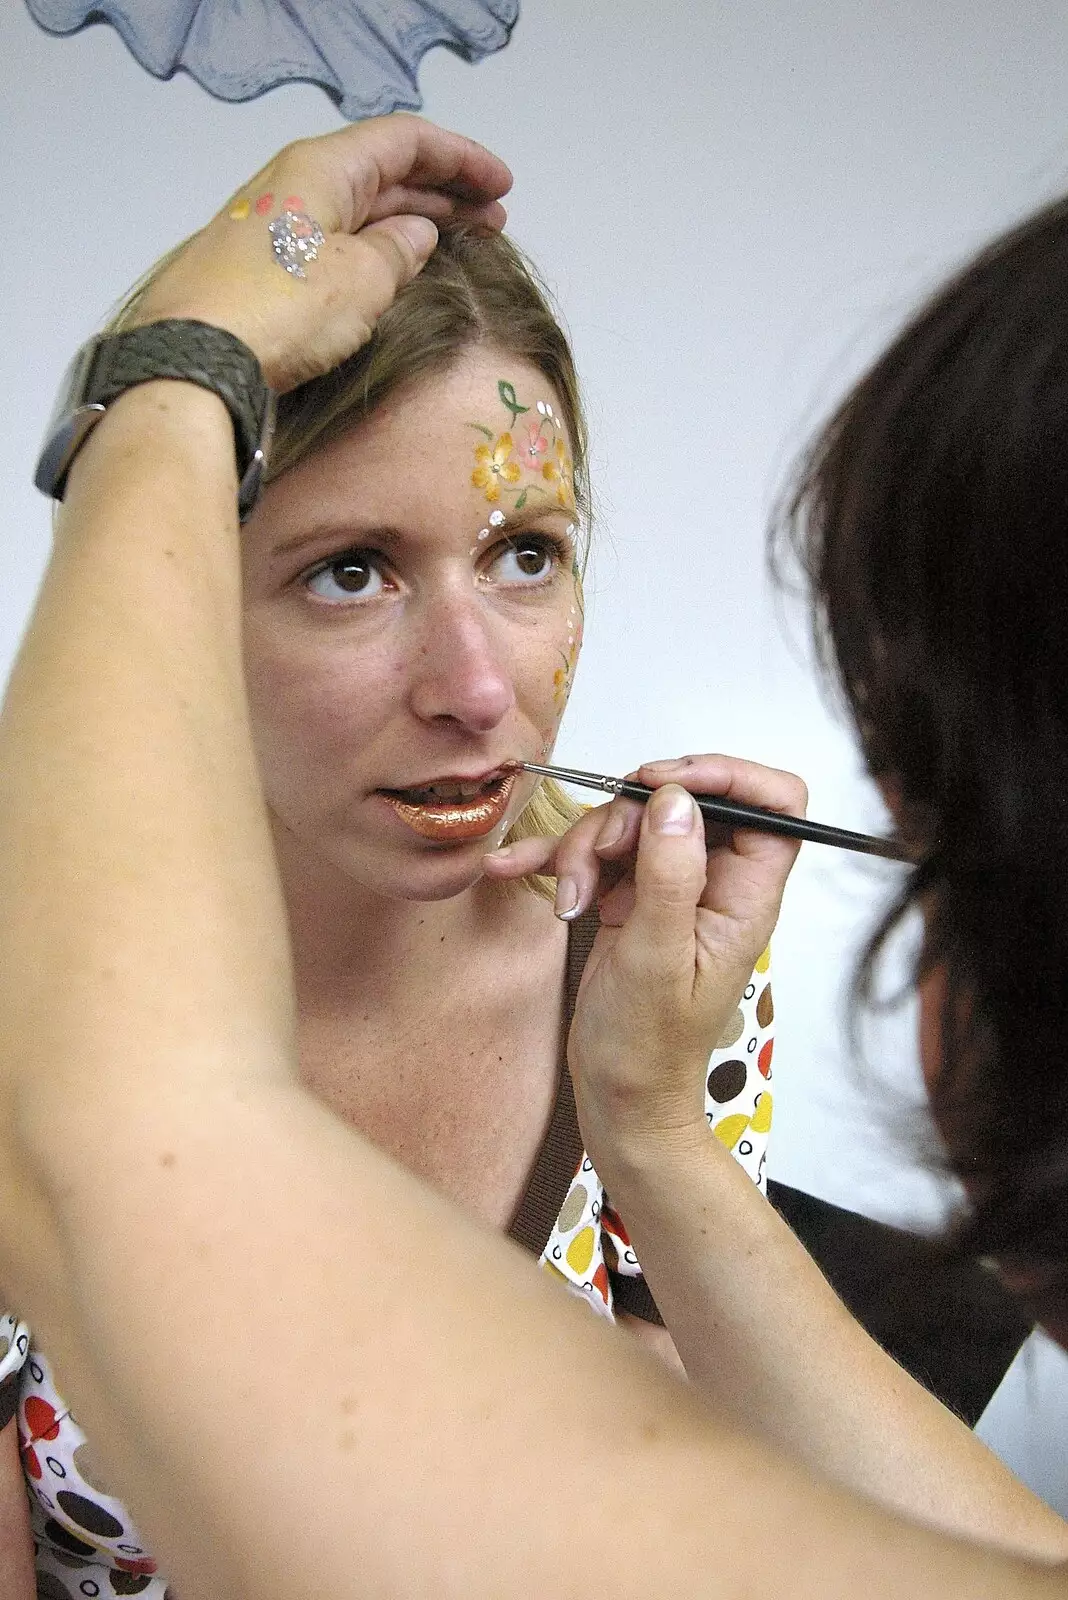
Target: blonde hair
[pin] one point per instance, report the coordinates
(476, 289)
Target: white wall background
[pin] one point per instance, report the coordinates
(735, 204)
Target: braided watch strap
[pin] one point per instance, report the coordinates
(196, 352)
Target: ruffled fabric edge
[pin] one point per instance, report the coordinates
(367, 65)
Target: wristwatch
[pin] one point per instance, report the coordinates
(194, 351)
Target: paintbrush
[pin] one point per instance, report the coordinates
(733, 814)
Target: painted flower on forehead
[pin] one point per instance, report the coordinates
(561, 472)
(494, 467)
(534, 448)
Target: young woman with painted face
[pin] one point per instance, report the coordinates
(413, 611)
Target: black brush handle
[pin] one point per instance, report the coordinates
(735, 814)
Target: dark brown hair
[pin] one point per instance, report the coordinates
(931, 517)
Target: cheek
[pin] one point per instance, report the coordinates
(557, 659)
(312, 708)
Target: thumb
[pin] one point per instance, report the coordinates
(669, 879)
(414, 237)
(391, 253)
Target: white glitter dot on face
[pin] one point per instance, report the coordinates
(572, 529)
(496, 518)
(543, 409)
(484, 534)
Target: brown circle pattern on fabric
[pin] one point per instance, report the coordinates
(765, 1011)
(726, 1080)
(88, 1515)
(63, 1540)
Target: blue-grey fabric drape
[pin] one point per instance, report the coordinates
(364, 53)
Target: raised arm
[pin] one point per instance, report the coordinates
(212, 1258)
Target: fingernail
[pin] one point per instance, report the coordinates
(666, 765)
(503, 854)
(671, 810)
(566, 903)
(612, 831)
(420, 233)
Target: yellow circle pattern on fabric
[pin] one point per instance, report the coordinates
(554, 1271)
(580, 1250)
(730, 1130)
(761, 1118)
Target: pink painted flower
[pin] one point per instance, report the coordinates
(535, 447)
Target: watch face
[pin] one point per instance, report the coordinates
(69, 423)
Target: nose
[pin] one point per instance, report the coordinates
(460, 670)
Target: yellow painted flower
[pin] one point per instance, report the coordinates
(562, 473)
(494, 467)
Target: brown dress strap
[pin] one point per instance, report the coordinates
(561, 1150)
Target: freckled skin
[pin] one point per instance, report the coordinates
(438, 667)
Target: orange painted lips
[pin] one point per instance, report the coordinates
(456, 819)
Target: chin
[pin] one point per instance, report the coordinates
(437, 874)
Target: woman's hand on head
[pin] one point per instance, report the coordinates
(377, 190)
(684, 920)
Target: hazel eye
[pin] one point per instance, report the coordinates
(526, 561)
(352, 576)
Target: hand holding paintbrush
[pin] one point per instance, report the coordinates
(593, 862)
(685, 916)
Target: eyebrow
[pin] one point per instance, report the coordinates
(516, 521)
(353, 536)
(357, 537)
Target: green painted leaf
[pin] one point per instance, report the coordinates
(487, 432)
(506, 391)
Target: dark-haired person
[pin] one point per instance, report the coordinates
(310, 1372)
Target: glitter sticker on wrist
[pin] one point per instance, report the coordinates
(296, 239)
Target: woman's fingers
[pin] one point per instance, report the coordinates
(571, 858)
(657, 938)
(643, 1027)
(746, 781)
(523, 857)
(405, 151)
(372, 169)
